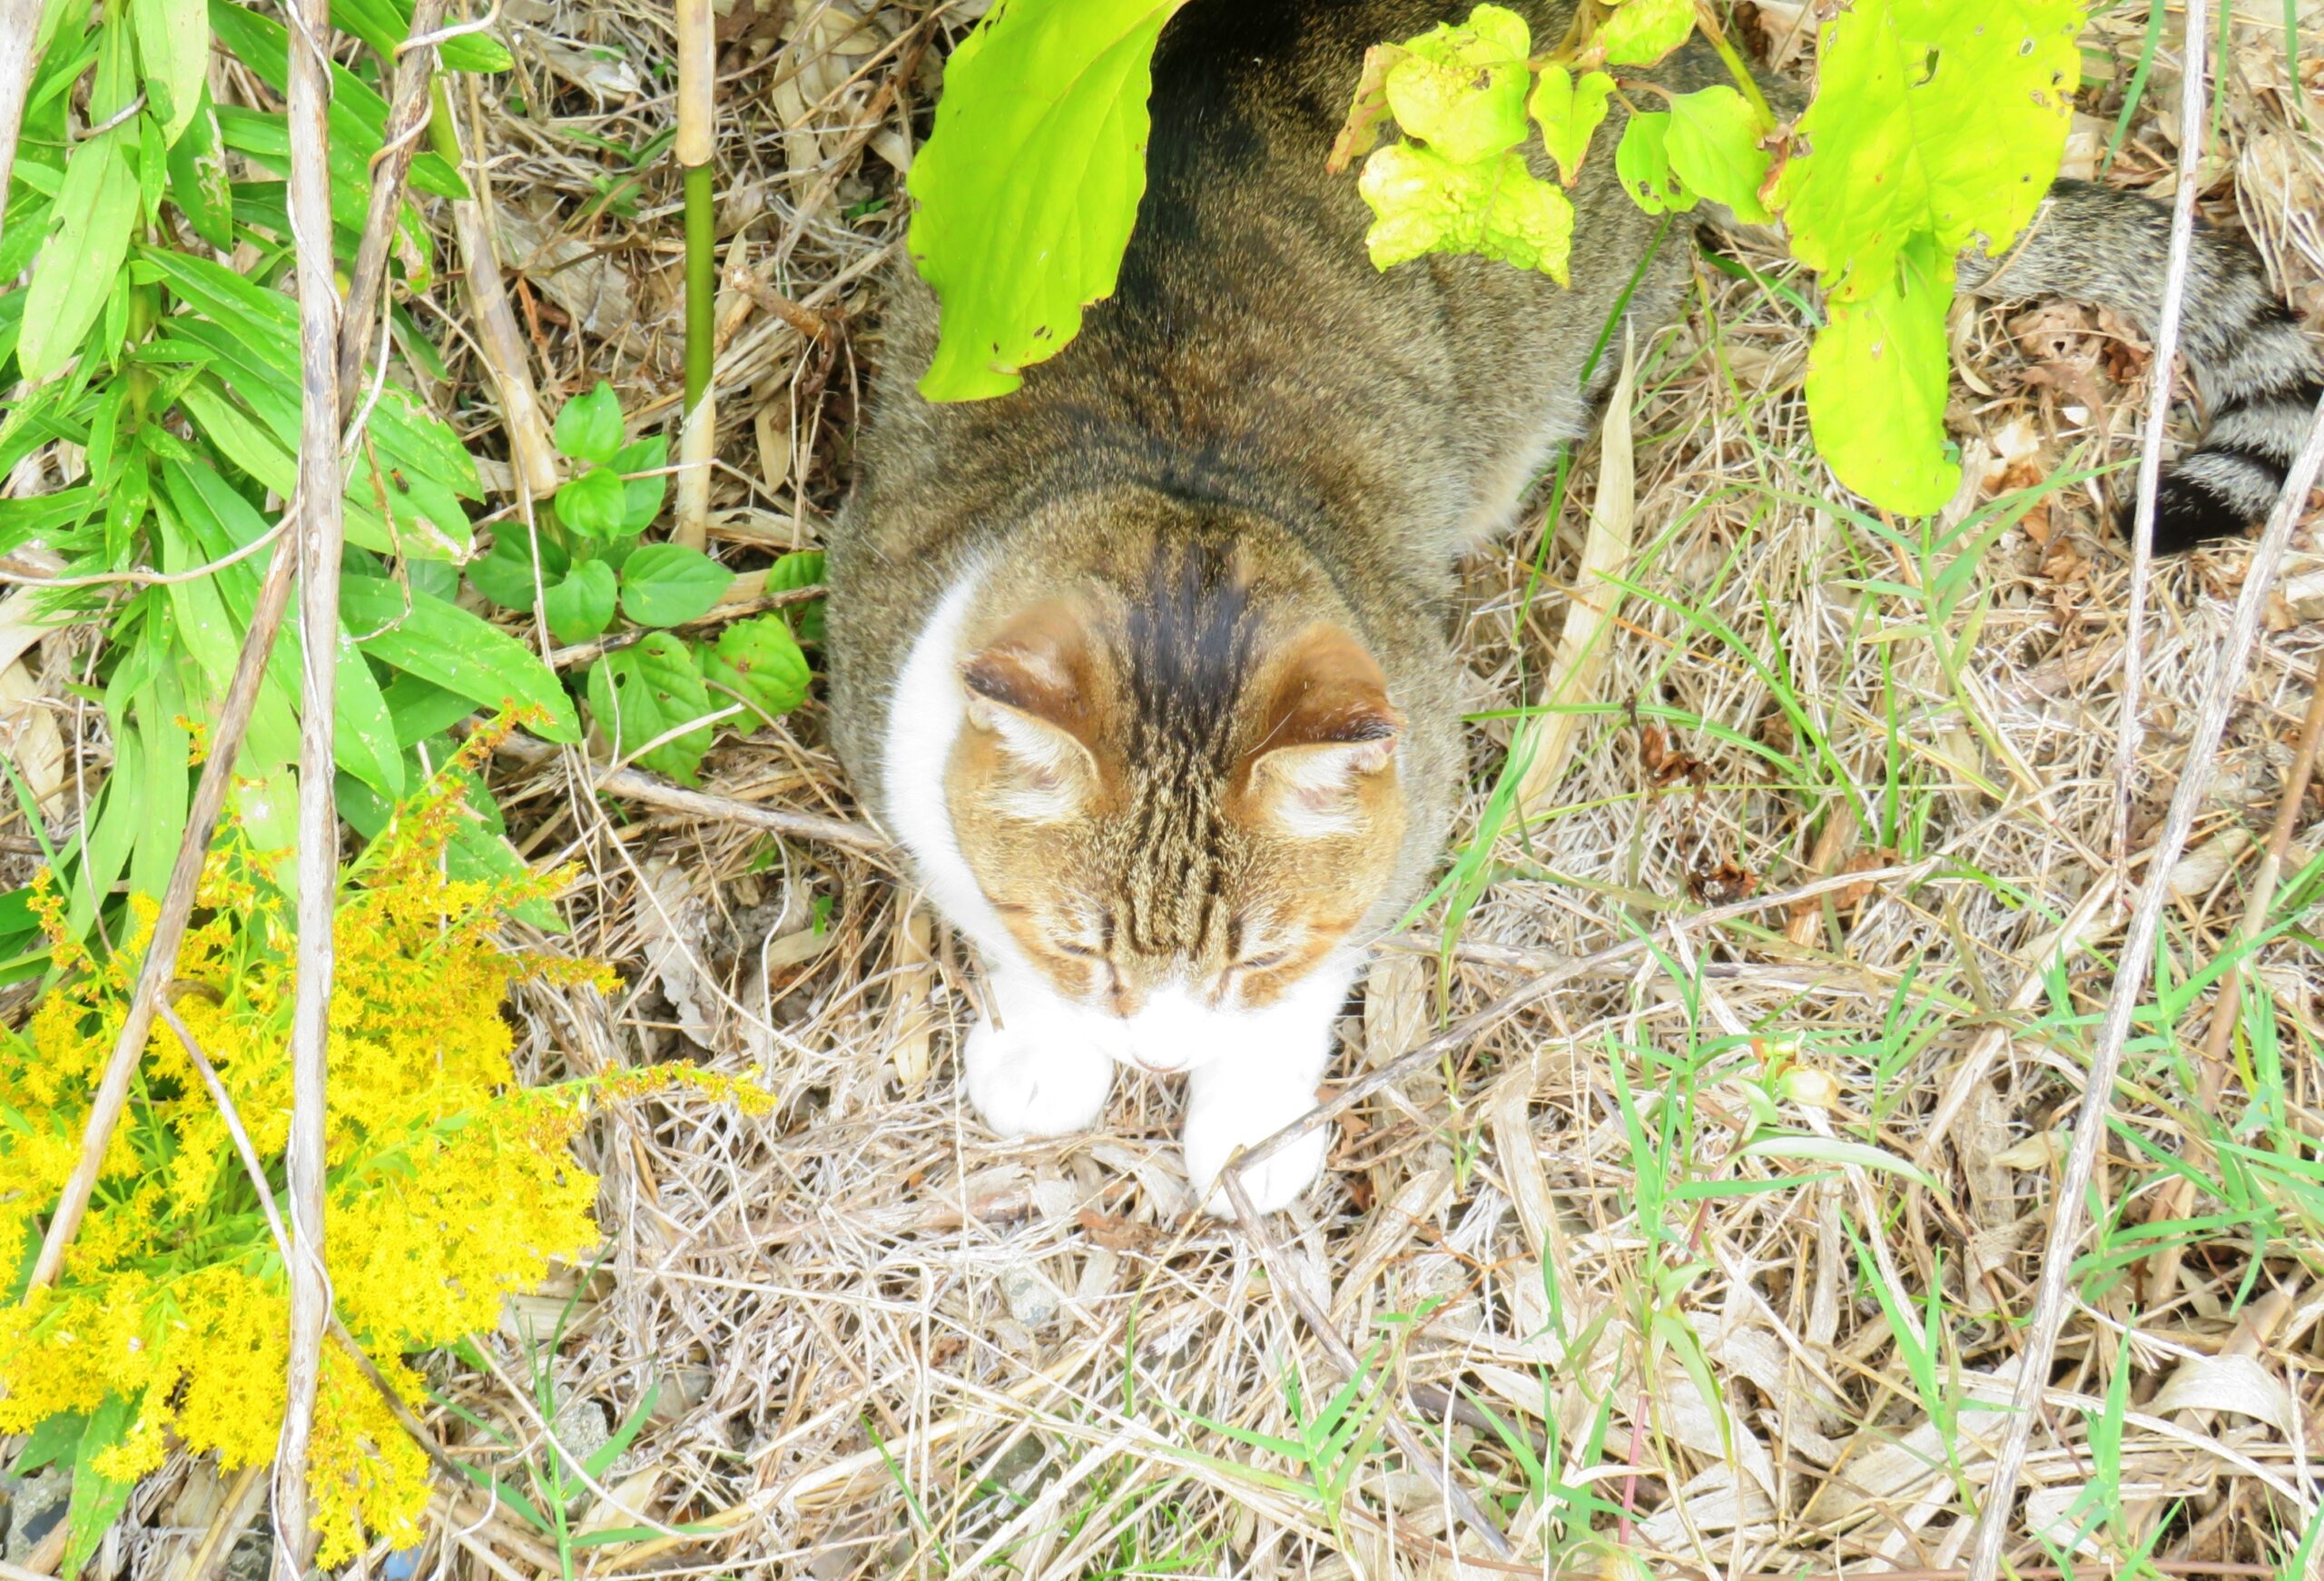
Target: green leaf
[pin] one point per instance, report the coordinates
(1423, 202)
(1028, 188)
(668, 584)
(1644, 31)
(1568, 113)
(174, 49)
(505, 574)
(1828, 1149)
(1877, 378)
(97, 1499)
(758, 661)
(1713, 140)
(589, 428)
(1940, 116)
(440, 642)
(640, 497)
(55, 1438)
(638, 693)
(1461, 90)
(799, 568)
(580, 604)
(80, 263)
(1642, 160)
(592, 504)
(198, 182)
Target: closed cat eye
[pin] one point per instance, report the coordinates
(1262, 962)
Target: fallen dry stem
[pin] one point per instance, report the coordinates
(2053, 1298)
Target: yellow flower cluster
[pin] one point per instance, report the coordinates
(447, 1187)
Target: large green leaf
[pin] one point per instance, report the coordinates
(668, 584)
(1948, 118)
(440, 642)
(1030, 184)
(1423, 202)
(1876, 378)
(1642, 32)
(759, 663)
(174, 49)
(1714, 145)
(579, 605)
(1461, 90)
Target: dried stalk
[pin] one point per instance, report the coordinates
(2158, 420)
(696, 149)
(2052, 1297)
(406, 125)
(532, 458)
(1460, 1033)
(322, 538)
(18, 18)
(631, 784)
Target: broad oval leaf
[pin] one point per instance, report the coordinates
(1876, 378)
(1642, 32)
(589, 428)
(668, 584)
(1030, 184)
(1642, 161)
(1713, 141)
(760, 663)
(505, 574)
(639, 693)
(1462, 89)
(592, 504)
(580, 605)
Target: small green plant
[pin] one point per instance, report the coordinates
(583, 564)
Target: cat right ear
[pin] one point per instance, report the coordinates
(1030, 693)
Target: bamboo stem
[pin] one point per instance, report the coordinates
(695, 149)
(18, 18)
(320, 542)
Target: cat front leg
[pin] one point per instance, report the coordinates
(1233, 1104)
(1037, 1072)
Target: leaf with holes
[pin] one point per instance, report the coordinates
(641, 692)
(1030, 184)
(1461, 90)
(759, 663)
(1942, 117)
(1642, 161)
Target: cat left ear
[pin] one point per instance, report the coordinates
(1030, 688)
(1331, 734)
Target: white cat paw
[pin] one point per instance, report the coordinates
(1213, 1130)
(1024, 1086)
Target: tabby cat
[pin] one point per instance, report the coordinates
(1148, 663)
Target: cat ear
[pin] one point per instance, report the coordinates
(1029, 689)
(1331, 734)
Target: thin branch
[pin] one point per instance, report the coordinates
(2052, 1297)
(631, 784)
(2158, 420)
(321, 542)
(406, 125)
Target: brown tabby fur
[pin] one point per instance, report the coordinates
(1260, 442)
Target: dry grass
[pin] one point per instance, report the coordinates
(871, 1341)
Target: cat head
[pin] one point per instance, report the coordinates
(1177, 787)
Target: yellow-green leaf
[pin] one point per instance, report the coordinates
(1568, 113)
(1642, 161)
(1028, 188)
(174, 49)
(1642, 32)
(1461, 90)
(1714, 146)
(1423, 202)
(1876, 378)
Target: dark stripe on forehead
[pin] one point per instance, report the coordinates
(1189, 631)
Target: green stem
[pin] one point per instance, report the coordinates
(441, 136)
(701, 282)
(1735, 66)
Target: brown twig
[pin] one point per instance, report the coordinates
(406, 125)
(321, 539)
(631, 784)
(2210, 1078)
(2051, 1299)
(1344, 1360)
